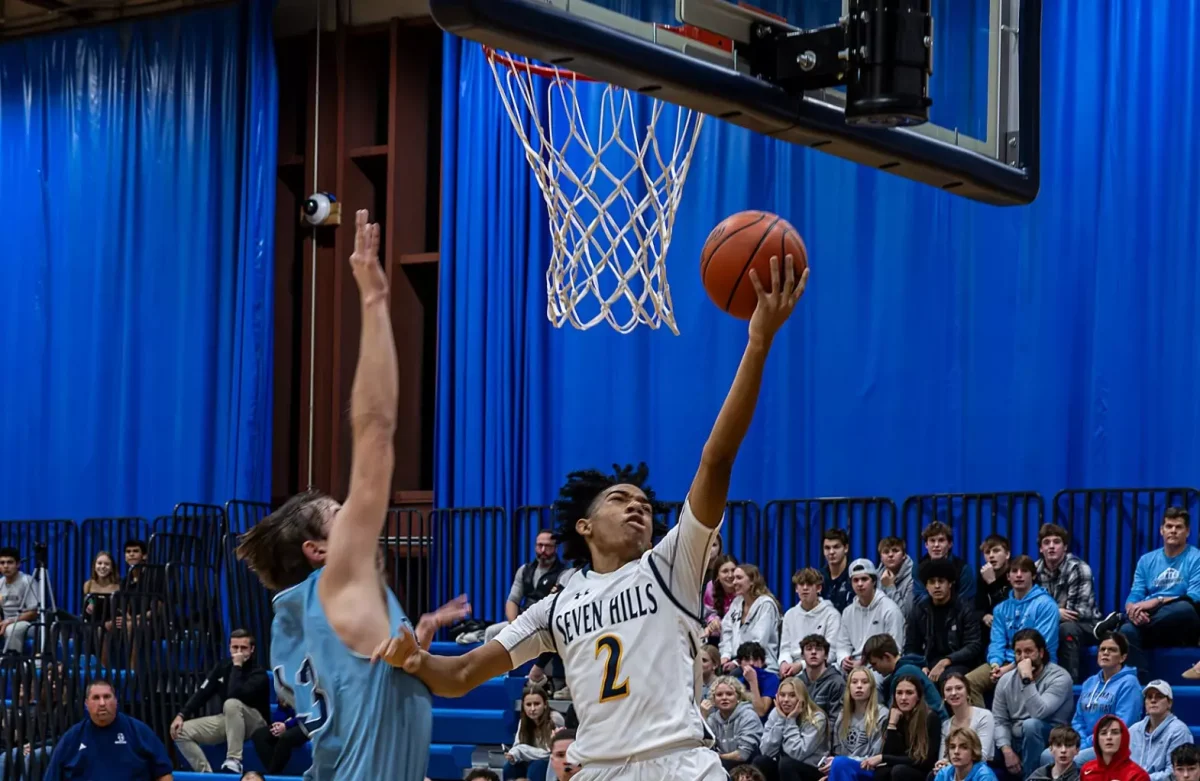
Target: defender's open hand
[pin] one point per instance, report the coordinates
(364, 261)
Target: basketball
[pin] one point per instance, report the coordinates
(744, 241)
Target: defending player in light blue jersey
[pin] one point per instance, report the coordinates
(628, 625)
(333, 607)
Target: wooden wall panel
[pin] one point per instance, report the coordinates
(380, 150)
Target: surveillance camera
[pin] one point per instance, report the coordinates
(321, 209)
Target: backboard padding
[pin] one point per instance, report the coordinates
(547, 32)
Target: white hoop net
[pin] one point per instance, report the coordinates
(611, 191)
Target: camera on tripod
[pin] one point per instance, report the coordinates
(39, 555)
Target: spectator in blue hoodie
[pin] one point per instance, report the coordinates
(1029, 607)
(1161, 608)
(1112, 690)
(965, 754)
(1154, 738)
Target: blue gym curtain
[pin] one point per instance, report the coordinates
(943, 345)
(137, 170)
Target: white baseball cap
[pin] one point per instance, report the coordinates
(1160, 686)
(863, 567)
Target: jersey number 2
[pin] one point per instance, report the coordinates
(609, 688)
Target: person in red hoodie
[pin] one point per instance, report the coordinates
(1112, 762)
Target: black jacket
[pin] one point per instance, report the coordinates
(248, 683)
(963, 635)
(988, 595)
(895, 745)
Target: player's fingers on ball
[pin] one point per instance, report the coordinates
(803, 283)
(789, 274)
(754, 280)
(774, 273)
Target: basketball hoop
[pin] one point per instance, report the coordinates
(611, 191)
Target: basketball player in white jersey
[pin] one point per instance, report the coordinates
(628, 625)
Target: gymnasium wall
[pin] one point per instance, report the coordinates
(137, 174)
(943, 345)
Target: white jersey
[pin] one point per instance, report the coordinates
(629, 641)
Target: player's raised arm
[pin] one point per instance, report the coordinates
(354, 535)
(710, 487)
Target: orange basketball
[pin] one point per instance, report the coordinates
(744, 241)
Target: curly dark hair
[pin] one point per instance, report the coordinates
(579, 493)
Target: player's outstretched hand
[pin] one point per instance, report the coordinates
(364, 261)
(453, 611)
(775, 305)
(396, 650)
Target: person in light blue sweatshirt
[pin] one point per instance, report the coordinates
(964, 758)
(1114, 690)
(1152, 739)
(1029, 607)
(1161, 609)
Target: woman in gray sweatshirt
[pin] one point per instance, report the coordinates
(753, 616)
(796, 736)
(733, 722)
(858, 731)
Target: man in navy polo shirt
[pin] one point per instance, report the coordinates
(108, 745)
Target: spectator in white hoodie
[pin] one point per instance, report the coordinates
(813, 616)
(753, 617)
(871, 613)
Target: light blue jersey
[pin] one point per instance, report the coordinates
(364, 720)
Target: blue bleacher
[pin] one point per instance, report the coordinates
(1165, 663)
(446, 761)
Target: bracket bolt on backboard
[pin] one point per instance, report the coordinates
(807, 61)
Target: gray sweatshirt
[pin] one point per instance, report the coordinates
(740, 732)
(807, 742)
(1048, 697)
(1046, 773)
(761, 626)
(901, 592)
(827, 690)
(858, 744)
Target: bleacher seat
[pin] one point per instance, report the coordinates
(1165, 663)
(480, 726)
(449, 761)
(299, 762)
(446, 761)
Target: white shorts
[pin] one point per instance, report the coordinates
(692, 764)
